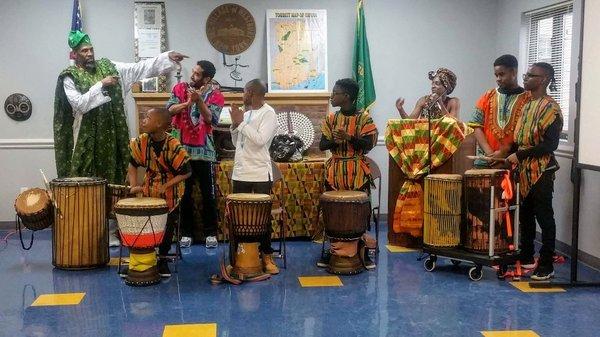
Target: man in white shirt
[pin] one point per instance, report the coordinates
(252, 132)
(90, 124)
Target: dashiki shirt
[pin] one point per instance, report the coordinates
(160, 168)
(347, 169)
(192, 131)
(537, 116)
(497, 114)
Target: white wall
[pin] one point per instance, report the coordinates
(508, 41)
(407, 39)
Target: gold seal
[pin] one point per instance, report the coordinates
(231, 29)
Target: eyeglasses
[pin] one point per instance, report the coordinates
(529, 75)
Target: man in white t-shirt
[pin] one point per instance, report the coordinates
(252, 132)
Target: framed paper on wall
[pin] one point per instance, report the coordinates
(150, 35)
(297, 50)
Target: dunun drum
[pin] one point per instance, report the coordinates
(476, 232)
(142, 223)
(442, 215)
(346, 215)
(114, 193)
(249, 219)
(80, 234)
(35, 209)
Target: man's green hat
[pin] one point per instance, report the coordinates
(77, 37)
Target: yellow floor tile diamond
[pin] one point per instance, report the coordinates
(399, 249)
(320, 281)
(58, 299)
(510, 333)
(526, 288)
(186, 330)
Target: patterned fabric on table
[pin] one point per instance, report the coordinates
(407, 143)
(303, 185)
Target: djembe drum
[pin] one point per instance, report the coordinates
(34, 210)
(249, 219)
(442, 214)
(480, 211)
(142, 223)
(346, 215)
(80, 234)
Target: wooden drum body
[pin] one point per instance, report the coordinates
(142, 223)
(478, 208)
(35, 209)
(114, 193)
(80, 234)
(443, 209)
(249, 219)
(346, 214)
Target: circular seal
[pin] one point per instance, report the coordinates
(231, 29)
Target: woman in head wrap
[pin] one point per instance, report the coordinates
(437, 104)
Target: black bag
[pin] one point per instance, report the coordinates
(284, 147)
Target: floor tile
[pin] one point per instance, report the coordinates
(510, 333)
(58, 299)
(526, 288)
(189, 330)
(320, 281)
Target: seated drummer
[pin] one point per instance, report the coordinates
(438, 103)
(252, 130)
(497, 112)
(349, 134)
(167, 167)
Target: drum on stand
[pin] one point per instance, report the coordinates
(443, 209)
(80, 234)
(346, 215)
(34, 211)
(142, 223)
(478, 211)
(249, 219)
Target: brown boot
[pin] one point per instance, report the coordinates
(269, 264)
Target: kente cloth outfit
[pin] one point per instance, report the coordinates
(496, 113)
(347, 169)
(448, 79)
(163, 161)
(407, 141)
(196, 137)
(537, 135)
(90, 122)
(252, 165)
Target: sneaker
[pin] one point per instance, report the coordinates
(185, 242)
(124, 271)
(324, 260)
(163, 268)
(527, 263)
(369, 264)
(269, 265)
(211, 242)
(543, 272)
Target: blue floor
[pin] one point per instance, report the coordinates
(399, 298)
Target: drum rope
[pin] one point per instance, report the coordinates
(18, 228)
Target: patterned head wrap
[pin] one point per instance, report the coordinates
(77, 37)
(447, 77)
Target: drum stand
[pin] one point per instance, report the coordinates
(457, 255)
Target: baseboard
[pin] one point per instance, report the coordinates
(7, 225)
(565, 249)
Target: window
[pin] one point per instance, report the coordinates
(549, 40)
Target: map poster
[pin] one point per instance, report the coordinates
(297, 50)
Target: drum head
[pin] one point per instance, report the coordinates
(452, 177)
(77, 181)
(249, 197)
(32, 201)
(345, 196)
(484, 172)
(143, 202)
